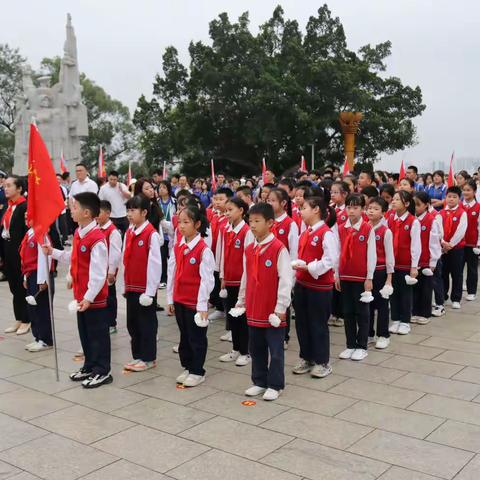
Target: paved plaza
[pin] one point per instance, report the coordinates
(409, 413)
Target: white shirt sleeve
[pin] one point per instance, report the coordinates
(243, 286)
(249, 238)
(208, 238)
(389, 254)
(415, 243)
(218, 250)
(161, 238)
(167, 228)
(171, 269)
(478, 230)
(97, 273)
(42, 270)
(154, 265)
(434, 244)
(293, 241)
(316, 268)
(460, 231)
(114, 251)
(207, 280)
(285, 281)
(62, 256)
(371, 255)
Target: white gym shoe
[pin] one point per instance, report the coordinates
(438, 311)
(230, 357)
(382, 342)
(456, 305)
(330, 321)
(346, 354)
(271, 394)
(193, 380)
(216, 315)
(243, 360)
(403, 329)
(183, 376)
(394, 327)
(175, 348)
(226, 337)
(359, 354)
(414, 319)
(321, 371)
(337, 322)
(301, 367)
(39, 347)
(30, 345)
(372, 340)
(421, 321)
(471, 297)
(253, 391)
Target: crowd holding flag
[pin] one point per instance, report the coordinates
(102, 173)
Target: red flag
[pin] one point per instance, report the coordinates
(346, 167)
(45, 200)
(402, 171)
(214, 180)
(63, 168)
(101, 164)
(264, 171)
(451, 176)
(303, 164)
(164, 173)
(129, 176)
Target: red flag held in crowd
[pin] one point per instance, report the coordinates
(402, 171)
(451, 176)
(346, 167)
(129, 176)
(303, 164)
(101, 164)
(264, 171)
(214, 180)
(63, 168)
(164, 173)
(45, 200)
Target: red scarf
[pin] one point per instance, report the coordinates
(303, 242)
(347, 247)
(396, 235)
(447, 227)
(128, 246)
(8, 214)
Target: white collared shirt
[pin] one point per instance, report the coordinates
(292, 237)
(248, 239)
(116, 198)
(114, 250)
(388, 246)
(331, 252)
(415, 239)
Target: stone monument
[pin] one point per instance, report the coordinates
(349, 122)
(58, 111)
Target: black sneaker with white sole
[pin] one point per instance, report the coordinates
(97, 381)
(81, 375)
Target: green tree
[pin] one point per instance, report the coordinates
(247, 96)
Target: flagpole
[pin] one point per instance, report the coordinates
(52, 319)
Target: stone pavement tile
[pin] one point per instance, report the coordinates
(150, 448)
(452, 344)
(318, 462)
(328, 431)
(321, 384)
(7, 471)
(10, 366)
(123, 470)
(56, 458)
(15, 348)
(238, 438)
(66, 361)
(7, 386)
(375, 392)
(348, 368)
(162, 415)
(23, 476)
(374, 356)
(104, 399)
(43, 380)
(391, 419)
(417, 351)
(439, 386)
(26, 404)
(314, 401)
(165, 388)
(458, 435)
(15, 432)
(468, 374)
(427, 367)
(450, 330)
(82, 424)
(417, 335)
(397, 473)
(235, 382)
(474, 338)
(460, 358)
(123, 378)
(411, 453)
(230, 405)
(216, 465)
(450, 408)
(470, 472)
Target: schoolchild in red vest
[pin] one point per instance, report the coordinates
(114, 245)
(430, 235)
(35, 270)
(382, 278)
(472, 237)
(406, 248)
(88, 271)
(387, 191)
(354, 275)
(455, 223)
(288, 184)
(301, 192)
(317, 255)
(265, 293)
(190, 282)
(142, 263)
(235, 238)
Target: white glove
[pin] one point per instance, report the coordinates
(145, 300)
(386, 291)
(298, 263)
(274, 320)
(410, 280)
(30, 299)
(476, 250)
(427, 272)
(200, 321)
(223, 293)
(366, 297)
(237, 311)
(73, 306)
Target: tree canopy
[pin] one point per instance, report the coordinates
(246, 96)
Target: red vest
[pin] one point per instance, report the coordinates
(380, 244)
(341, 215)
(281, 230)
(107, 232)
(80, 266)
(233, 244)
(187, 274)
(471, 235)
(425, 229)
(29, 255)
(218, 224)
(297, 218)
(451, 220)
(402, 240)
(135, 259)
(262, 282)
(353, 255)
(310, 247)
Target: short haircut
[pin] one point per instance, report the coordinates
(288, 182)
(65, 175)
(113, 173)
(423, 196)
(224, 191)
(409, 180)
(370, 191)
(105, 205)
(387, 188)
(368, 173)
(89, 201)
(355, 200)
(379, 201)
(139, 202)
(245, 190)
(413, 167)
(454, 189)
(183, 193)
(81, 165)
(343, 186)
(440, 173)
(263, 209)
(157, 171)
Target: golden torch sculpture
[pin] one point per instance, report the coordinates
(349, 121)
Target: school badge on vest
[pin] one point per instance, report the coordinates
(474, 213)
(377, 237)
(31, 244)
(237, 243)
(454, 219)
(140, 243)
(193, 261)
(424, 227)
(361, 238)
(83, 248)
(268, 263)
(281, 231)
(407, 227)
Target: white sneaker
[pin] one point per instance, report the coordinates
(331, 320)
(372, 340)
(253, 391)
(321, 371)
(183, 376)
(359, 354)
(301, 367)
(226, 337)
(382, 342)
(394, 327)
(455, 306)
(193, 380)
(230, 357)
(216, 315)
(470, 297)
(422, 321)
(30, 345)
(403, 329)
(346, 354)
(271, 394)
(285, 345)
(39, 347)
(438, 311)
(243, 360)
(414, 319)
(337, 322)
(175, 348)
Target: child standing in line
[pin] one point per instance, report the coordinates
(190, 282)
(235, 238)
(354, 276)
(302, 191)
(114, 245)
(317, 251)
(383, 273)
(142, 274)
(406, 248)
(265, 292)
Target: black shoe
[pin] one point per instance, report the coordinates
(81, 375)
(96, 381)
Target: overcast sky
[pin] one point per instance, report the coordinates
(121, 42)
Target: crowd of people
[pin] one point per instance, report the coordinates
(369, 252)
